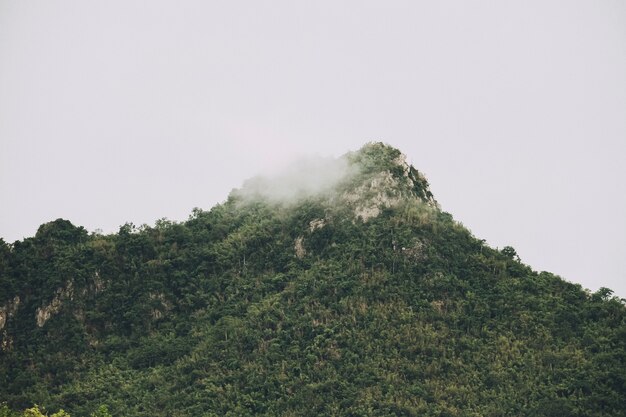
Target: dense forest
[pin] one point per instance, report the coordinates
(360, 299)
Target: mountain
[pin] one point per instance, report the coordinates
(339, 288)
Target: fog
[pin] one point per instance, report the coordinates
(302, 178)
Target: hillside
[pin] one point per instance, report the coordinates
(355, 296)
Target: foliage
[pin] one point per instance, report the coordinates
(404, 314)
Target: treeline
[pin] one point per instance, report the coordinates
(34, 411)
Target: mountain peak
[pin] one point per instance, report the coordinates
(381, 178)
(366, 181)
(380, 159)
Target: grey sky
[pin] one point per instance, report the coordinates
(123, 111)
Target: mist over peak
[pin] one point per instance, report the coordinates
(303, 178)
(367, 180)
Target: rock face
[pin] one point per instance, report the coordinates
(316, 224)
(384, 180)
(160, 305)
(373, 196)
(8, 310)
(44, 313)
(298, 246)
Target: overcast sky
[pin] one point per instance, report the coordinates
(130, 111)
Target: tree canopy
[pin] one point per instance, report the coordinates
(368, 300)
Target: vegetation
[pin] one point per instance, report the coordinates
(303, 308)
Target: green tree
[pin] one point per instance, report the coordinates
(102, 411)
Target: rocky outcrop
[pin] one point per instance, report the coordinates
(369, 199)
(160, 305)
(44, 313)
(316, 224)
(8, 310)
(299, 247)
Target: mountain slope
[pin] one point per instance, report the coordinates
(354, 296)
